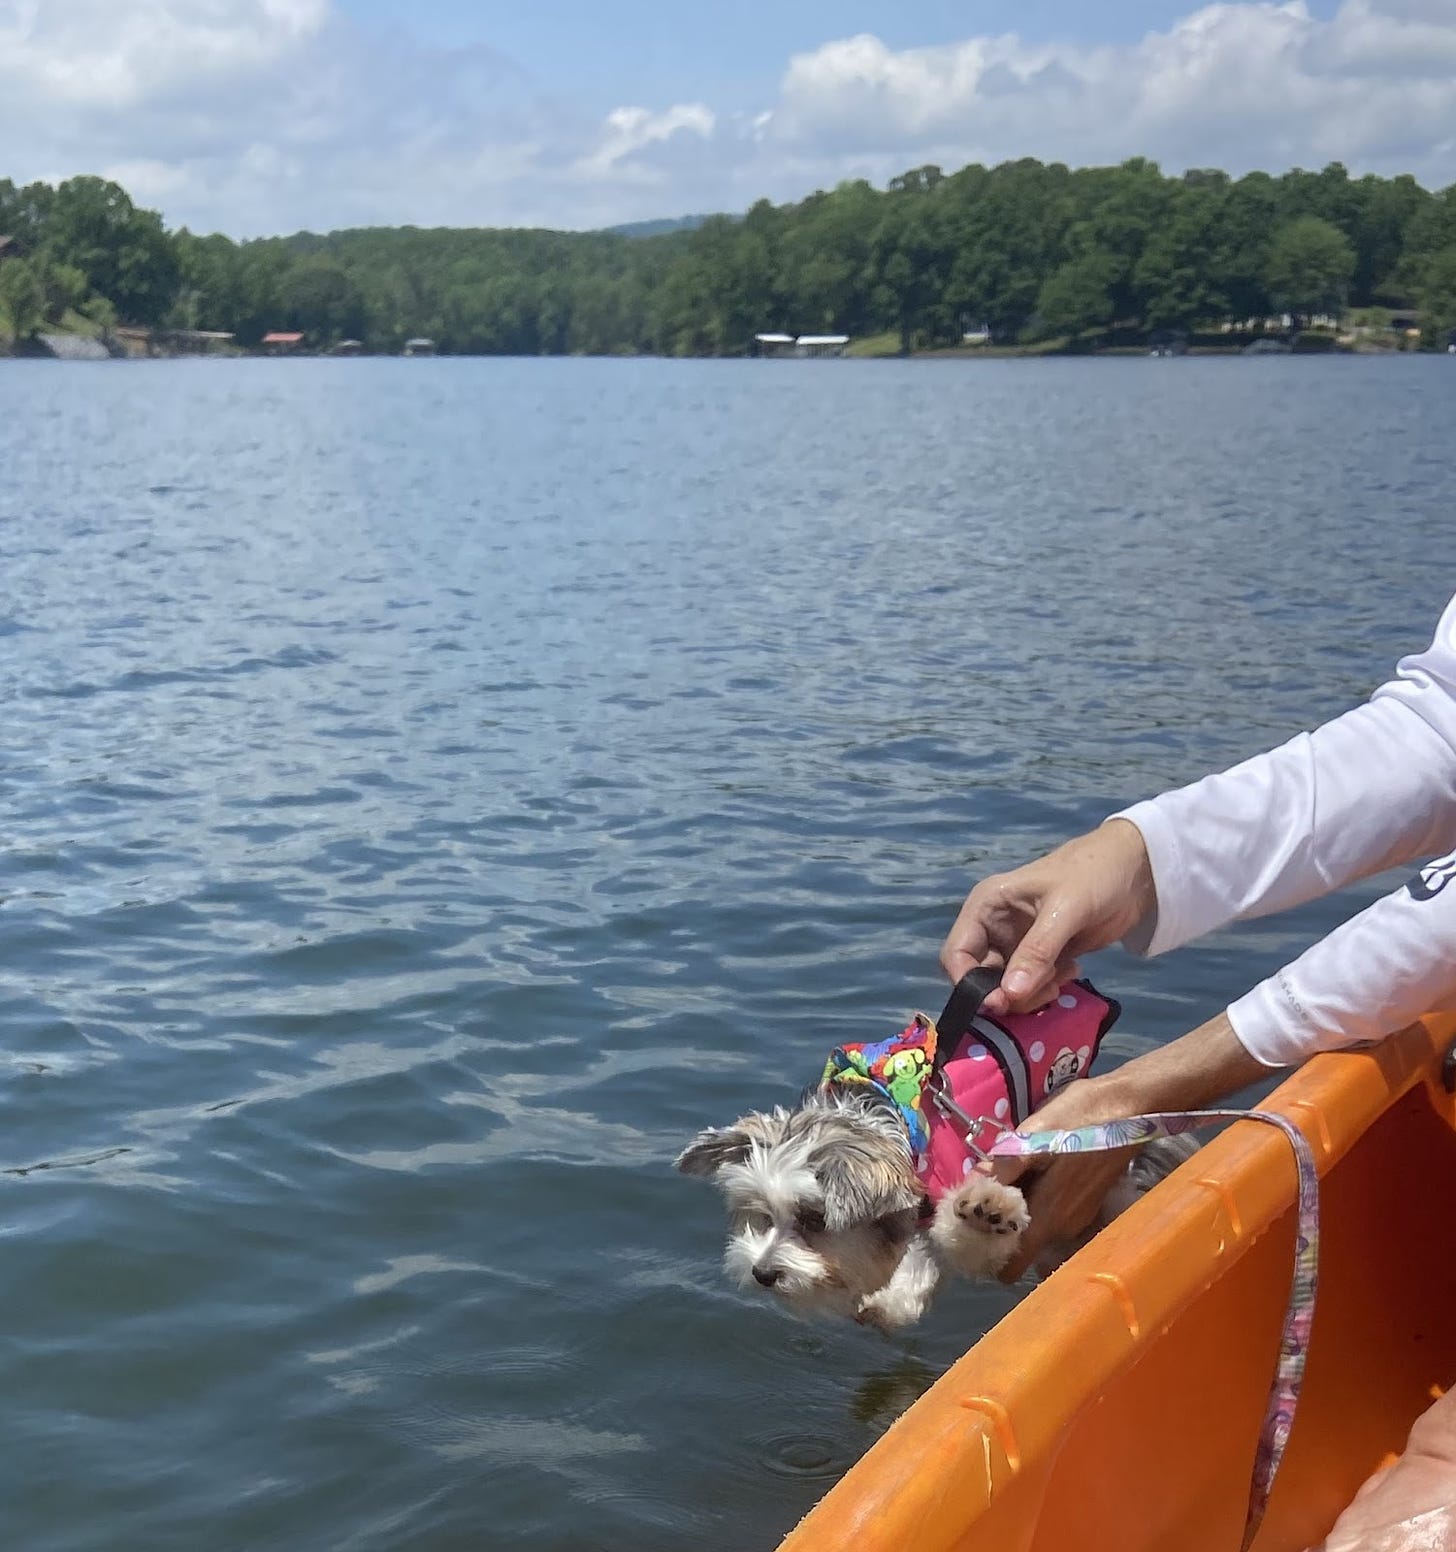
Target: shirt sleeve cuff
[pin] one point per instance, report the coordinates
(1162, 927)
(1271, 1026)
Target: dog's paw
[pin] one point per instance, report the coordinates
(984, 1206)
(888, 1309)
(977, 1227)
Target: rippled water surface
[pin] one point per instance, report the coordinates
(433, 789)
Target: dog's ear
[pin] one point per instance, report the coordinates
(861, 1184)
(709, 1151)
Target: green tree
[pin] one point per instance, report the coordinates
(24, 211)
(823, 257)
(257, 295)
(1431, 230)
(22, 297)
(318, 297)
(124, 253)
(1387, 210)
(1177, 283)
(1309, 269)
(1239, 262)
(909, 262)
(1115, 212)
(65, 288)
(211, 292)
(1077, 298)
(100, 312)
(681, 320)
(1438, 297)
(1008, 233)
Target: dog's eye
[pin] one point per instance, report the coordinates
(811, 1220)
(759, 1222)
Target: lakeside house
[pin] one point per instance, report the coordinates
(282, 342)
(8, 248)
(419, 347)
(773, 345)
(821, 344)
(191, 342)
(348, 348)
(798, 347)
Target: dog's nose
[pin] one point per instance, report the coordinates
(764, 1277)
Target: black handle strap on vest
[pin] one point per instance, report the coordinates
(955, 1021)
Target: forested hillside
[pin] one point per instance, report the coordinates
(1026, 250)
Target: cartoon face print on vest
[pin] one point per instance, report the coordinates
(1065, 1066)
(904, 1074)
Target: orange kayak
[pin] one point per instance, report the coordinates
(1119, 1405)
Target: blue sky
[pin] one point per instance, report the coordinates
(596, 49)
(262, 116)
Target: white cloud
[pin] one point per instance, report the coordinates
(1233, 85)
(120, 53)
(630, 130)
(267, 115)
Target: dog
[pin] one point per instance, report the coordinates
(853, 1203)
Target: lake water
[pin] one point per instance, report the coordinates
(433, 789)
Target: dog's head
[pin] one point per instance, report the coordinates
(822, 1200)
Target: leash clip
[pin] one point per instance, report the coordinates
(940, 1093)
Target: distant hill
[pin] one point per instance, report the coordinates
(657, 228)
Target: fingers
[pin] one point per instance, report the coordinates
(968, 942)
(1034, 1241)
(1083, 896)
(1063, 1202)
(998, 1002)
(1034, 971)
(1009, 1171)
(1015, 1269)
(1012, 920)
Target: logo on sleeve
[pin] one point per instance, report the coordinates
(1433, 878)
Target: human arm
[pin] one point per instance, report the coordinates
(1362, 793)
(1369, 790)
(1373, 975)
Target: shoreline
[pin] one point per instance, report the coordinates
(1039, 352)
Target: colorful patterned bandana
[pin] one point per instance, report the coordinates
(899, 1068)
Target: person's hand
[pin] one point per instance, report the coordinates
(1036, 920)
(1067, 1188)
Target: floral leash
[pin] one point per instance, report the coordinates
(1299, 1315)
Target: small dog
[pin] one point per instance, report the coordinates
(826, 1212)
(835, 1210)
(823, 1204)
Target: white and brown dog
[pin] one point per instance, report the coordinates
(857, 1200)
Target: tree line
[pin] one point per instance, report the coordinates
(1025, 251)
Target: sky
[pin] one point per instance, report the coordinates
(264, 116)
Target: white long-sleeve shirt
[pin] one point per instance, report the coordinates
(1371, 790)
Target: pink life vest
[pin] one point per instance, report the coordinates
(999, 1070)
(961, 1082)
